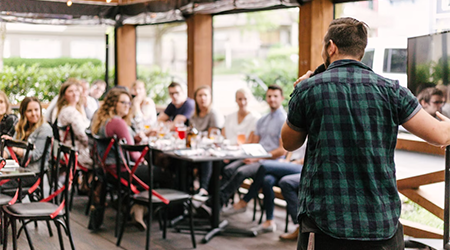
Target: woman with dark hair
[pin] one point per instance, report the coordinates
(7, 120)
(32, 128)
(113, 118)
(205, 119)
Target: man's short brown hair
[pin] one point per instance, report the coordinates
(426, 94)
(349, 35)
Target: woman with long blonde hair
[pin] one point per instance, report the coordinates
(32, 128)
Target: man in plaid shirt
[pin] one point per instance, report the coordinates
(348, 196)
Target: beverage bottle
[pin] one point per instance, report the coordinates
(192, 133)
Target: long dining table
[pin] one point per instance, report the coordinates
(216, 157)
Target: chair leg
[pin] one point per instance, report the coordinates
(261, 205)
(14, 233)
(254, 208)
(287, 222)
(165, 221)
(191, 223)
(149, 224)
(50, 232)
(58, 227)
(30, 242)
(69, 233)
(5, 232)
(1, 226)
(122, 226)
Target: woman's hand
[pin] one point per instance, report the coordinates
(7, 137)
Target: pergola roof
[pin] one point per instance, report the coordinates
(119, 12)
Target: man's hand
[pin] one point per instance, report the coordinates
(442, 117)
(303, 77)
(7, 137)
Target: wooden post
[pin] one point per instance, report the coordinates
(315, 16)
(125, 55)
(199, 59)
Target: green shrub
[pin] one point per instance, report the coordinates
(282, 72)
(50, 62)
(156, 82)
(44, 83)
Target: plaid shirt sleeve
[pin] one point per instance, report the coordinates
(296, 113)
(408, 105)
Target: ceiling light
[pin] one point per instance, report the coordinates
(108, 1)
(69, 3)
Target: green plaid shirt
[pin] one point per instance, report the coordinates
(351, 115)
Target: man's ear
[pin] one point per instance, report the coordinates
(332, 49)
(423, 103)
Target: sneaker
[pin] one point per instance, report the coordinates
(227, 211)
(261, 229)
(290, 236)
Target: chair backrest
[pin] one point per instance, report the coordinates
(8, 144)
(146, 154)
(67, 131)
(69, 177)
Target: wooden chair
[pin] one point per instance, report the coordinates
(48, 209)
(162, 198)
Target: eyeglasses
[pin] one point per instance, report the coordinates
(438, 102)
(125, 103)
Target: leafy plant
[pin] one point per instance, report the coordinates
(156, 81)
(281, 71)
(44, 83)
(50, 62)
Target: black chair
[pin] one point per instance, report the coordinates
(68, 133)
(165, 197)
(48, 209)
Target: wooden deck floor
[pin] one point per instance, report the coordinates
(134, 239)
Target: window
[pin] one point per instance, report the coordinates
(40, 48)
(394, 61)
(88, 49)
(368, 58)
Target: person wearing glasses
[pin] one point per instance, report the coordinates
(432, 100)
(113, 118)
(181, 108)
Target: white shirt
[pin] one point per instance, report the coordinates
(232, 128)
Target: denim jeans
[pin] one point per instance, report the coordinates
(275, 173)
(233, 176)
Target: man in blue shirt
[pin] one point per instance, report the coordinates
(267, 133)
(181, 107)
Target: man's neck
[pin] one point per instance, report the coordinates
(274, 109)
(180, 104)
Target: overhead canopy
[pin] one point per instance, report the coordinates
(119, 12)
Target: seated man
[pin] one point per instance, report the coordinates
(274, 173)
(432, 100)
(267, 133)
(180, 109)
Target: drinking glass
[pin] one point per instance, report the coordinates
(181, 130)
(240, 138)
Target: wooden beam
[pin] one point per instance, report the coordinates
(126, 55)
(315, 17)
(199, 61)
(419, 180)
(430, 201)
(418, 146)
(418, 230)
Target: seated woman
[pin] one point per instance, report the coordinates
(32, 128)
(205, 118)
(144, 109)
(242, 122)
(7, 120)
(70, 112)
(114, 118)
